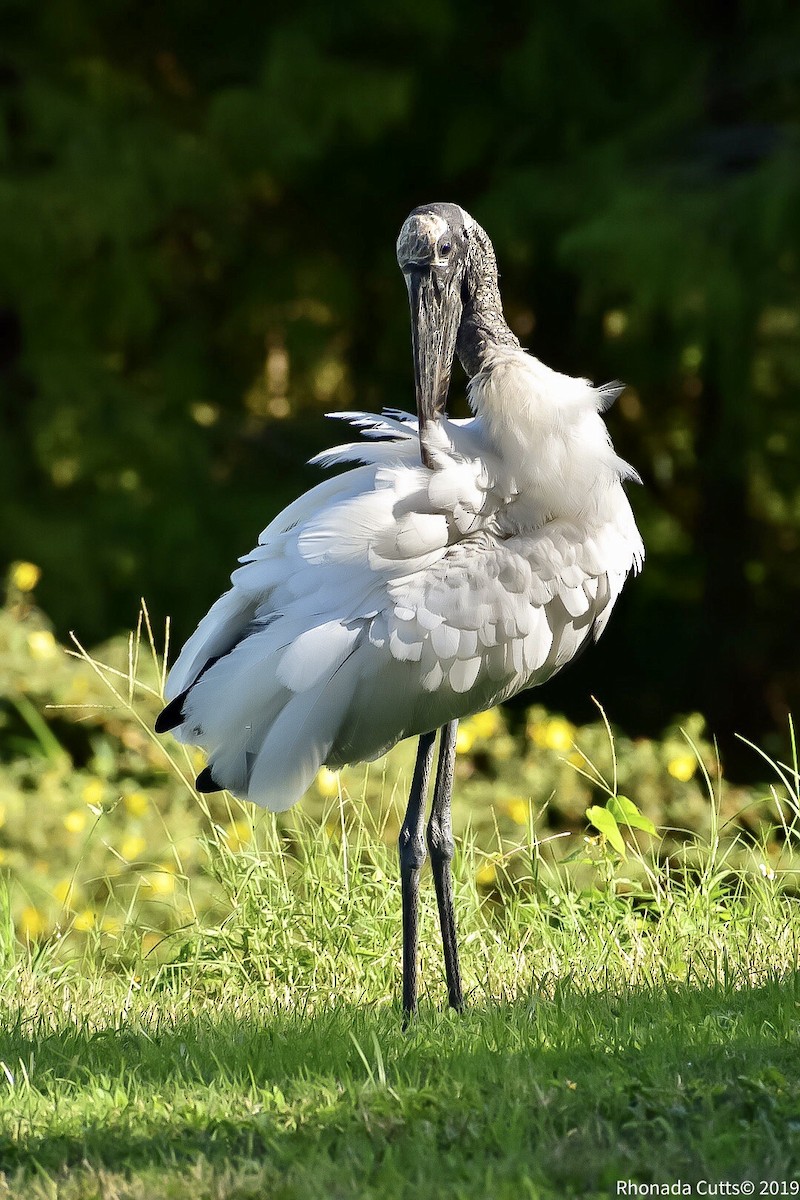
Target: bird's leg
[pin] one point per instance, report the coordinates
(412, 856)
(440, 845)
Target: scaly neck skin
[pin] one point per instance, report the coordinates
(483, 326)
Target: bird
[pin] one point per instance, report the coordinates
(455, 563)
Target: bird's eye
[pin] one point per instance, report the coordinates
(445, 247)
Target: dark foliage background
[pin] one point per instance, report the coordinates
(197, 218)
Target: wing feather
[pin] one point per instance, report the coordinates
(389, 600)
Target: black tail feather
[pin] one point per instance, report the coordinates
(171, 716)
(206, 782)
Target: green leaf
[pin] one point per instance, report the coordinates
(606, 823)
(625, 812)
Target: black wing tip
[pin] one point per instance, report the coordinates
(171, 716)
(206, 782)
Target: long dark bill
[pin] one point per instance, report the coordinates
(435, 318)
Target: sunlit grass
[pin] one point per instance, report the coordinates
(213, 1012)
(117, 841)
(265, 1055)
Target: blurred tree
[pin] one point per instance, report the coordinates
(197, 219)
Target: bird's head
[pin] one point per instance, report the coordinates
(432, 251)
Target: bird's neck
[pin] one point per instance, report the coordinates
(483, 326)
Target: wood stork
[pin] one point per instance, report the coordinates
(459, 562)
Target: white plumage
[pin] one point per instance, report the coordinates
(396, 597)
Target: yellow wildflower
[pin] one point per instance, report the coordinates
(25, 576)
(465, 738)
(486, 875)
(132, 846)
(487, 724)
(30, 924)
(85, 920)
(518, 810)
(42, 645)
(136, 803)
(552, 733)
(237, 835)
(93, 792)
(75, 820)
(327, 782)
(558, 734)
(535, 732)
(64, 892)
(682, 766)
(162, 882)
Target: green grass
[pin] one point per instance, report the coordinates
(200, 1002)
(650, 1036)
(557, 1096)
(117, 838)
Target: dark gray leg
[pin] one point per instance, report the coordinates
(412, 856)
(440, 845)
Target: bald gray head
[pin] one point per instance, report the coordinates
(451, 272)
(434, 235)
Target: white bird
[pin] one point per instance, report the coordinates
(460, 562)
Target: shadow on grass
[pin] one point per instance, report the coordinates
(571, 1091)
